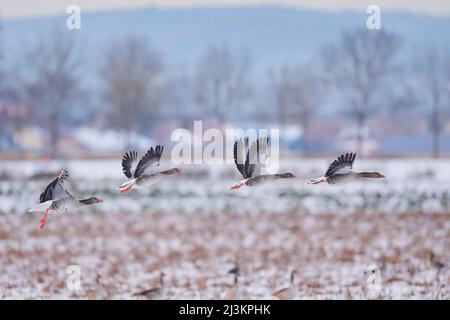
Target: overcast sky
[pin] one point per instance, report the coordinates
(26, 8)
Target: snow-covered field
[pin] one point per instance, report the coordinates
(193, 228)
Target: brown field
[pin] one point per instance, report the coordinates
(330, 253)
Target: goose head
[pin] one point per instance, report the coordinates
(375, 175)
(173, 171)
(92, 200)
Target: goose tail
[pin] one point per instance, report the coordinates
(41, 207)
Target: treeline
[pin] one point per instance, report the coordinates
(132, 88)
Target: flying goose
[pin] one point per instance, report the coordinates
(56, 199)
(144, 174)
(156, 293)
(288, 293)
(249, 161)
(340, 171)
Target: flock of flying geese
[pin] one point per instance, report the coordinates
(249, 160)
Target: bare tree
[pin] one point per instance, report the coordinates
(3, 75)
(132, 84)
(1, 40)
(179, 97)
(402, 104)
(52, 82)
(222, 81)
(298, 94)
(359, 66)
(432, 67)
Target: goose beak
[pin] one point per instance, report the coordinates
(382, 175)
(179, 170)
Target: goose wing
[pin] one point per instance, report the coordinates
(342, 165)
(240, 151)
(257, 156)
(149, 161)
(56, 189)
(129, 161)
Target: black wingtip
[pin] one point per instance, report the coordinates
(130, 155)
(159, 150)
(127, 159)
(63, 174)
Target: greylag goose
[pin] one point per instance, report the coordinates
(340, 171)
(249, 162)
(56, 199)
(234, 293)
(144, 174)
(288, 293)
(437, 264)
(155, 293)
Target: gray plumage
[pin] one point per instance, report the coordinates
(340, 171)
(56, 199)
(249, 161)
(149, 161)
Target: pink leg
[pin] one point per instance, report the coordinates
(125, 190)
(236, 186)
(44, 219)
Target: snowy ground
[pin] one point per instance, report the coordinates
(192, 228)
(411, 185)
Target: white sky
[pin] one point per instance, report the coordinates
(27, 8)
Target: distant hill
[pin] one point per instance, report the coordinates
(271, 34)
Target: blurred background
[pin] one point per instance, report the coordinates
(137, 70)
(134, 72)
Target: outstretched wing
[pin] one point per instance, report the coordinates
(56, 189)
(128, 162)
(256, 156)
(240, 155)
(342, 165)
(149, 160)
